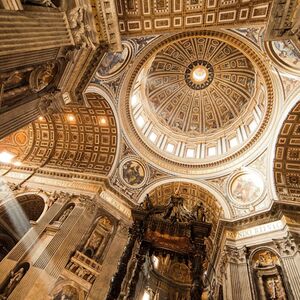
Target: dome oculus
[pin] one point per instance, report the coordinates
(199, 75)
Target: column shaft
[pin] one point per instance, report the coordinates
(140, 259)
(117, 280)
(292, 268)
(24, 31)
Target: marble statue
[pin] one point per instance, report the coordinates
(65, 214)
(14, 279)
(46, 3)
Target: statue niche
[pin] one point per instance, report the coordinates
(98, 239)
(64, 214)
(19, 84)
(12, 280)
(86, 262)
(268, 276)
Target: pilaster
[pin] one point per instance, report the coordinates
(289, 249)
(237, 270)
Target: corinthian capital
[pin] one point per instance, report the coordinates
(236, 255)
(50, 103)
(288, 245)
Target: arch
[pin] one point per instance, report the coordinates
(18, 211)
(287, 155)
(267, 270)
(67, 287)
(287, 108)
(33, 205)
(227, 213)
(99, 237)
(79, 139)
(263, 248)
(194, 192)
(93, 88)
(6, 244)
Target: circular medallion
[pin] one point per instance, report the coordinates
(246, 187)
(133, 173)
(285, 54)
(113, 62)
(199, 74)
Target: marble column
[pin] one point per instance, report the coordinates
(33, 30)
(261, 288)
(25, 113)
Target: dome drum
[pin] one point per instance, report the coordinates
(197, 99)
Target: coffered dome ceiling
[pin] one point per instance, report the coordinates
(199, 85)
(196, 99)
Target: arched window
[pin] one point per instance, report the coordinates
(15, 217)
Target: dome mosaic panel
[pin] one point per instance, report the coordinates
(186, 106)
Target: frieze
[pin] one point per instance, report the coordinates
(67, 184)
(256, 230)
(115, 202)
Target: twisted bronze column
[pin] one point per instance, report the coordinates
(197, 270)
(140, 259)
(117, 280)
